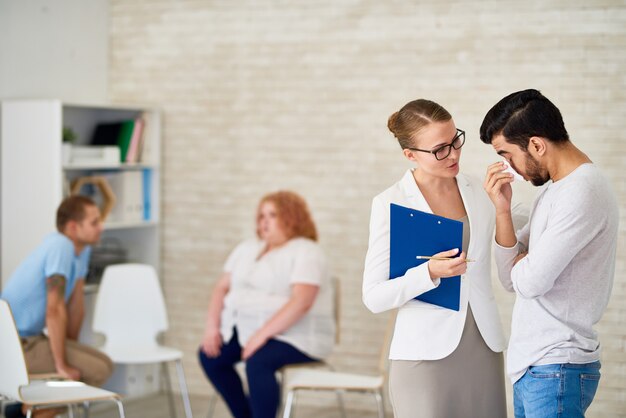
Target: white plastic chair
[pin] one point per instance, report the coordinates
(15, 383)
(130, 312)
(315, 379)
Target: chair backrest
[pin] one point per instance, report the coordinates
(130, 309)
(13, 372)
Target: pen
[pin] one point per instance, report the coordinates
(425, 257)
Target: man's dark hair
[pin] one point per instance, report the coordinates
(72, 209)
(522, 115)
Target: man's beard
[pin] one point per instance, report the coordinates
(536, 175)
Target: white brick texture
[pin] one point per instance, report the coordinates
(264, 95)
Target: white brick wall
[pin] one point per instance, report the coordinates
(261, 95)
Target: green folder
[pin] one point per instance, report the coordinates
(125, 135)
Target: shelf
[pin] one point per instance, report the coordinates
(109, 107)
(29, 125)
(96, 166)
(108, 226)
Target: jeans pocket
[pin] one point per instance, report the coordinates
(588, 387)
(540, 391)
(549, 371)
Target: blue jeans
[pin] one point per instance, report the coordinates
(261, 373)
(556, 390)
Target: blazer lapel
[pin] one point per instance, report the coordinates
(417, 201)
(412, 193)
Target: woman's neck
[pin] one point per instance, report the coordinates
(441, 194)
(427, 181)
(272, 245)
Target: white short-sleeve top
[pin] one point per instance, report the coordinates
(260, 287)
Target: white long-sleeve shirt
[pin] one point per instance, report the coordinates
(563, 284)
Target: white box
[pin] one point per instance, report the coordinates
(95, 155)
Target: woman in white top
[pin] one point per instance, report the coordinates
(271, 307)
(444, 363)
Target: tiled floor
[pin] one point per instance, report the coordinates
(157, 406)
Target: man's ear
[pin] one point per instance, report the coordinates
(70, 227)
(537, 146)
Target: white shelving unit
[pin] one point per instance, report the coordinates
(34, 180)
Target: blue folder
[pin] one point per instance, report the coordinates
(413, 233)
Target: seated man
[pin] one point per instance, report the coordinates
(46, 290)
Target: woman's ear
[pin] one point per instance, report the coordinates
(537, 146)
(409, 154)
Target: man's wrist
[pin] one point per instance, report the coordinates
(60, 365)
(503, 212)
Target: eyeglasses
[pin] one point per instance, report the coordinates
(443, 151)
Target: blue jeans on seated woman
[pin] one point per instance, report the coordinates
(261, 373)
(556, 390)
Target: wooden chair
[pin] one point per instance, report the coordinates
(314, 379)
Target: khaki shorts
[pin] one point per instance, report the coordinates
(95, 367)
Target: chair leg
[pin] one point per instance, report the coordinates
(70, 411)
(120, 408)
(183, 388)
(380, 403)
(168, 385)
(289, 403)
(212, 403)
(86, 409)
(342, 407)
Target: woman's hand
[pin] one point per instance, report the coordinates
(255, 342)
(212, 339)
(447, 268)
(302, 298)
(212, 342)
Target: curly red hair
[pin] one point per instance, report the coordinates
(293, 214)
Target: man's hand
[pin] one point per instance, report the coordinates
(68, 372)
(519, 257)
(447, 268)
(498, 187)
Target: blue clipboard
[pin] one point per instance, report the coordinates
(413, 233)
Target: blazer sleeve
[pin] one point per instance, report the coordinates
(379, 293)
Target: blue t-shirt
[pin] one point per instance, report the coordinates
(26, 290)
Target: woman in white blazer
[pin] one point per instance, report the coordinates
(444, 363)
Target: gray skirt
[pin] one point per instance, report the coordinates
(468, 383)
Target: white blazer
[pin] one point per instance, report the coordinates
(424, 331)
